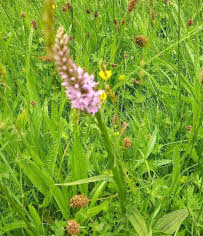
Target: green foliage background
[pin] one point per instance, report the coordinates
(39, 146)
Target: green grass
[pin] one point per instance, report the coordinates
(46, 158)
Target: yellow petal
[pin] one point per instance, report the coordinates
(105, 75)
(103, 97)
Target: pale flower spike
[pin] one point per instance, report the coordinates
(80, 86)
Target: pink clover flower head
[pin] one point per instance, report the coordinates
(80, 86)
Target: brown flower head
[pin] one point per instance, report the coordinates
(34, 24)
(33, 103)
(201, 76)
(132, 5)
(70, 37)
(115, 119)
(115, 22)
(153, 15)
(42, 58)
(127, 142)
(88, 11)
(124, 127)
(190, 22)
(123, 21)
(96, 14)
(88, 35)
(141, 40)
(125, 55)
(138, 81)
(69, 6)
(73, 228)
(189, 128)
(63, 8)
(23, 15)
(113, 65)
(79, 201)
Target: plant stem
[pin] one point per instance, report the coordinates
(117, 170)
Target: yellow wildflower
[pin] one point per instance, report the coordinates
(103, 97)
(105, 75)
(54, 6)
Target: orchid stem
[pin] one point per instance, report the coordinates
(114, 163)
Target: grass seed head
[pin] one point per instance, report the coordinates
(48, 25)
(73, 228)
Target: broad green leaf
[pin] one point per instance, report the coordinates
(137, 221)
(170, 223)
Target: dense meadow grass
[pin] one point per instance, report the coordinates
(133, 168)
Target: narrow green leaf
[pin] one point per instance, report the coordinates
(137, 221)
(79, 163)
(14, 225)
(98, 193)
(89, 180)
(37, 220)
(151, 143)
(45, 184)
(4, 171)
